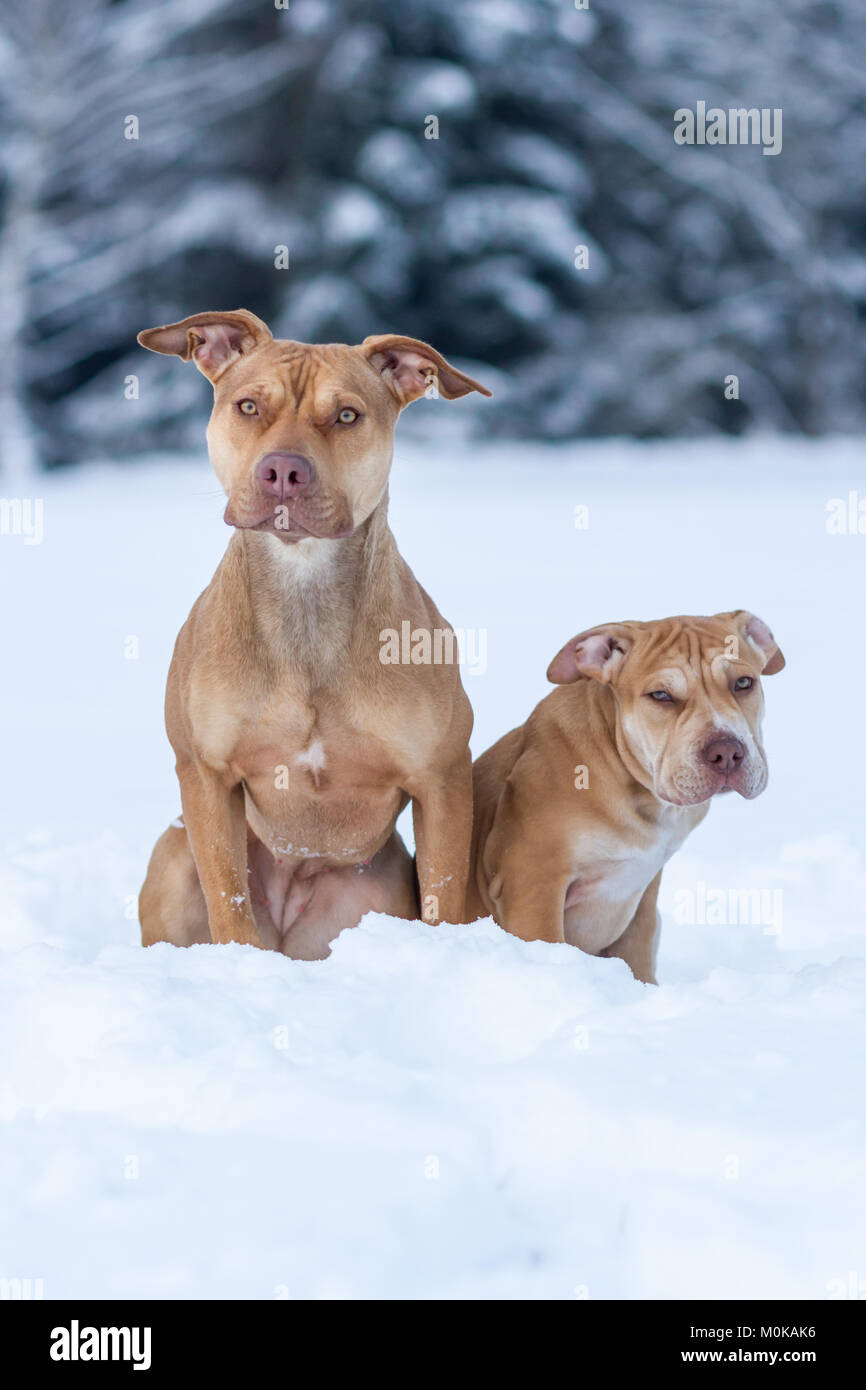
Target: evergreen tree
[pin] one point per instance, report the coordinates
(500, 178)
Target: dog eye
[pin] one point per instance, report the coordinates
(660, 695)
(348, 416)
(744, 683)
(248, 407)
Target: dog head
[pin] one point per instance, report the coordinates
(301, 434)
(689, 698)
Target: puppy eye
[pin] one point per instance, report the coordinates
(248, 407)
(744, 683)
(660, 695)
(348, 416)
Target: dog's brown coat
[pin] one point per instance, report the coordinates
(577, 811)
(296, 747)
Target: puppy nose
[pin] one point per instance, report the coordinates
(724, 753)
(284, 475)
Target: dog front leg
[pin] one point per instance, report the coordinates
(442, 817)
(528, 895)
(216, 823)
(639, 942)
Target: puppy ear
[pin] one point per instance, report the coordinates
(411, 368)
(761, 640)
(596, 654)
(212, 340)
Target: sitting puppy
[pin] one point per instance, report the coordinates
(578, 811)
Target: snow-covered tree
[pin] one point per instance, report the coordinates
(134, 162)
(498, 177)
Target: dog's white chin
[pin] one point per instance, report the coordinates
(291, 539)
(684, 800)
(700, 799)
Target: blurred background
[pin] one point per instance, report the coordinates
(306, 128)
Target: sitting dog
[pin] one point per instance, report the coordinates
(296, 745)
(577, 812)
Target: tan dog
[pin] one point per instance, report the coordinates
(296, 746)
(577, 812)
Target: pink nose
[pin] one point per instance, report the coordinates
(284, 475)
(724, 753)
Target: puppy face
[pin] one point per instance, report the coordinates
(689, 698)
(301, 435)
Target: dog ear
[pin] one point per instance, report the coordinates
(212, 340)
(596, 654)
(761, 639)
(411, 368)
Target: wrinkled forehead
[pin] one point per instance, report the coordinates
(696, 649)
(302, 373)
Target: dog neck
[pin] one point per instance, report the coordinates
(314, 601)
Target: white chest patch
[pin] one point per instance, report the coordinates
(313, 758)
(314, 755)
(621, 880)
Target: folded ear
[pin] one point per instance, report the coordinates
(596, 654)
(761, 639)
(411, 368)
(212, 340)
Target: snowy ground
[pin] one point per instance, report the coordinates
(441, 1112)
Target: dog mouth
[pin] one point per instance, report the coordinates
(286, 528)
(290, 533)
(696, 793)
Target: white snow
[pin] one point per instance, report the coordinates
(435, 1111)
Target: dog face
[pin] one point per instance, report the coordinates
(689, 699)
(301, 435)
